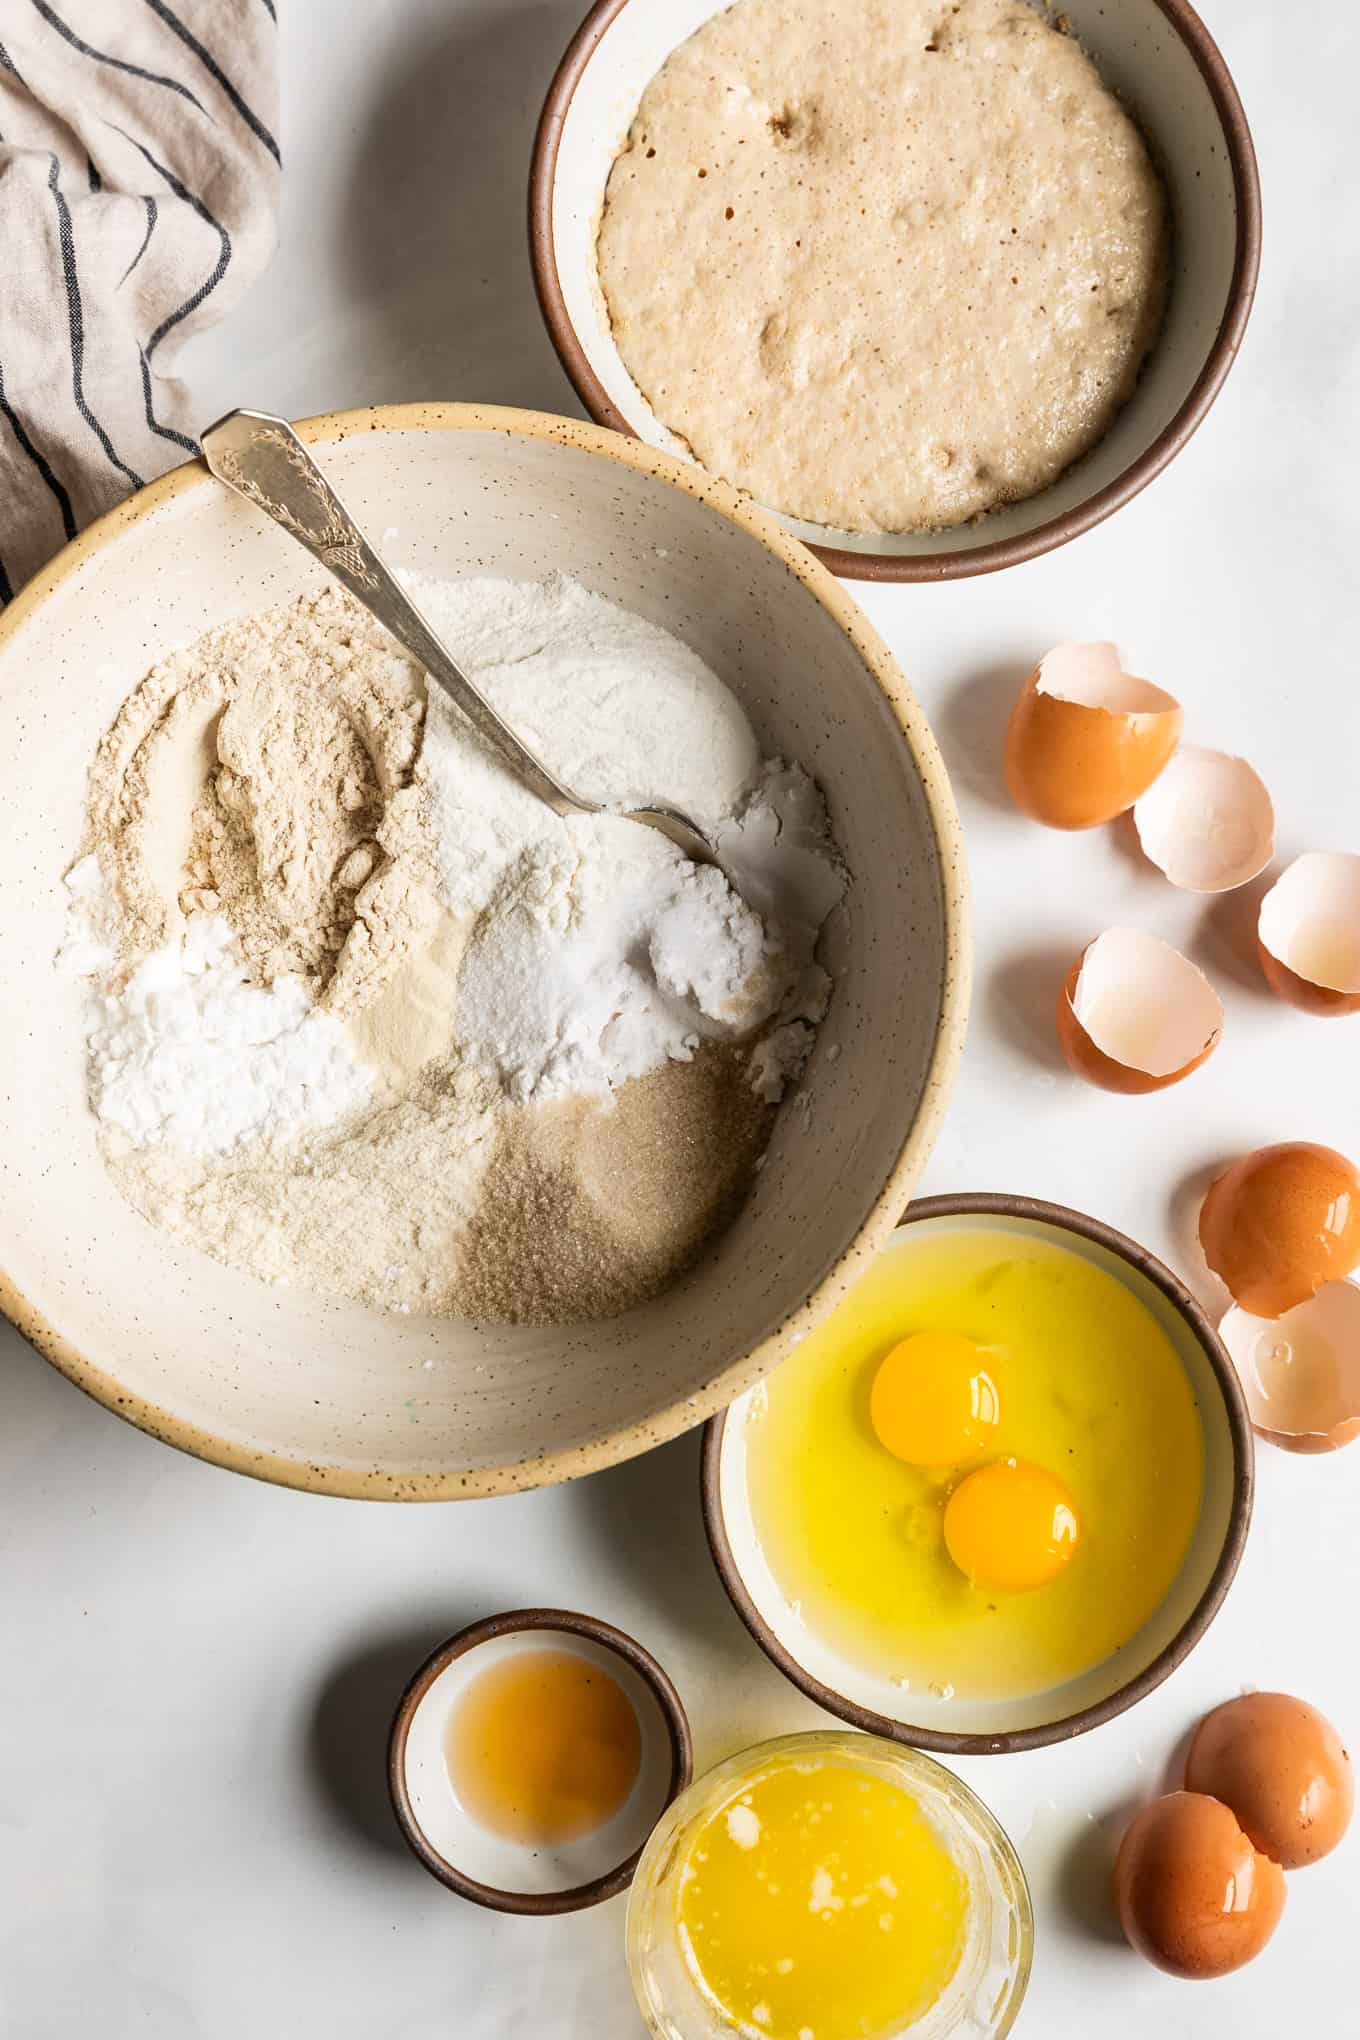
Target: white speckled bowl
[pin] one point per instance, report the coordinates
(1159, 57)
(330, 1396)
(939, 1719)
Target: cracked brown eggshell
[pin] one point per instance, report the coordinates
(1207, 821)
(1308, 933)
(1086, 738)
(1300, 1372)
(1135, 1015)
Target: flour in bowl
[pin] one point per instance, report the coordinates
(367, 1017)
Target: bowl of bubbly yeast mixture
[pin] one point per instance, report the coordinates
(937, 337)
(325, 1391)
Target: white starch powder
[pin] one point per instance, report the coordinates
(191, 1055)
(602, 952)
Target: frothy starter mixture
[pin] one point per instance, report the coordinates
(885, 263)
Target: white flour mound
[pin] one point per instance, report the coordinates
(191, 1055)
(779, 851)
(601, 953)
(618, 708)
(606, 962)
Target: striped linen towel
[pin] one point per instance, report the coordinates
(139, 180)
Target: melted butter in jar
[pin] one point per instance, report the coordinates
(822, 1900)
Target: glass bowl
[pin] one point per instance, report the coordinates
(984, 1996)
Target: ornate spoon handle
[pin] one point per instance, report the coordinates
(262, 459)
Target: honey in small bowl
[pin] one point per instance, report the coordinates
(531, 1756)
(543, 1747)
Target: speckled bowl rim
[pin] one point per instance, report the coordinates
(396, 1484)
(944, 565)
(950, 1742)
(516, 1622)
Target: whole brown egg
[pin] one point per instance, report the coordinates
(1282, 1768)
(1194, 1896)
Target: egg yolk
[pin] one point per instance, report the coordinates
(933, 1402)
(1011, 1526)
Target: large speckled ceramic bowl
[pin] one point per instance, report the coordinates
(1157, 55)
(331, 1396)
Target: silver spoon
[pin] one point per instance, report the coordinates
(262, 459)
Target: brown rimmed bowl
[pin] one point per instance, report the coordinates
(986, 1727)
(508, 1876)
(1162, 61)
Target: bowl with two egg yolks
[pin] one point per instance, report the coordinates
(998, 1494)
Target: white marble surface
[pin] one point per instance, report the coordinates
(196, 1672)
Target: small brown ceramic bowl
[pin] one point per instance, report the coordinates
(939, 1719)
(509, 1876)
(1161, 60)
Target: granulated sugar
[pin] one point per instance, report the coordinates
(585, 1213)
(367, 1017)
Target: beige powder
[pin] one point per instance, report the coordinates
(272, 773)
(268, 772)
(452, 1203)
(884, 263)
(377, 1211)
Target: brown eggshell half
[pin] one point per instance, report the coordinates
(1206, 821)
(1308, 933)
(1280, 1222)
(1300, 1372)
(1283, 1770)
(1193, 1895)
(1135, 1015)
(1086, 738)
